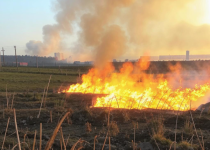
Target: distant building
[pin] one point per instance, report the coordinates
(133, 60)
(187, 55)
(69, 59)
(154, 58)
(199, 57)
(88, 62)
(114, 60)
(172, 57)
(126, 60)
(23, 64)
(151, 58)
(59, 56)
(77, 62)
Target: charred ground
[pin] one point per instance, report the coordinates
(147, 128)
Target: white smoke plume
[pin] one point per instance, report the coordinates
(126, 28)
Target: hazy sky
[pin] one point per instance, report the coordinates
(22, 20)
(160, 27)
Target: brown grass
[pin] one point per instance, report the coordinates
(113, 129)
(5, 134)
(188, 128)
(88, 127)
(51, 141)
(34, 143)
(18, 138)
(40, 140)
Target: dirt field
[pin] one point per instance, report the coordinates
(111, 128)
(150, 125)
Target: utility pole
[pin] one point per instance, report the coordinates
(3, 55)
(37, 62)
(16, 58)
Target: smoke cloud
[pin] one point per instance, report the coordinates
(111, 29)
(168, 27)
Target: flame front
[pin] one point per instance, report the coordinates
(132, 88)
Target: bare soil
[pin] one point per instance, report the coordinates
(74, 127)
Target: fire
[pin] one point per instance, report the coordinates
(132, 88)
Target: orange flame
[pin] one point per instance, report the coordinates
(132, 88)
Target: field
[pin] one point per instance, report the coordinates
(35, 79)
(21, 93)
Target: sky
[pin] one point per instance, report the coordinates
(22, 20)
(159, 27)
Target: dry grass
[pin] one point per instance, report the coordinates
(187, 146)
(188, 127)
(161, 139)
(51, 141)
(126, 117)
(113, 129)
(158, 129)
(88, 127)
(157, 126)
(208, 111)
(18, 138)
(5, 134)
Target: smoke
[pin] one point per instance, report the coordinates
(111, 29)
(168, 27)
(181, 76)
(51, 41)
(96, 32)
(65, 16)
(112, 45)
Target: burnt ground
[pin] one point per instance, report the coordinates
(124, 124)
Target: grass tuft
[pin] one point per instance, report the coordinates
(188, 128)
(161, 139)
(158, 130)
(157, 126)
(126, 117)
(113, 129)
(88, 127)
(187, 146)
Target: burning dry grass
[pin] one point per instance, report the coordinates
(132, 88)
(117, 123)
(115, 128)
